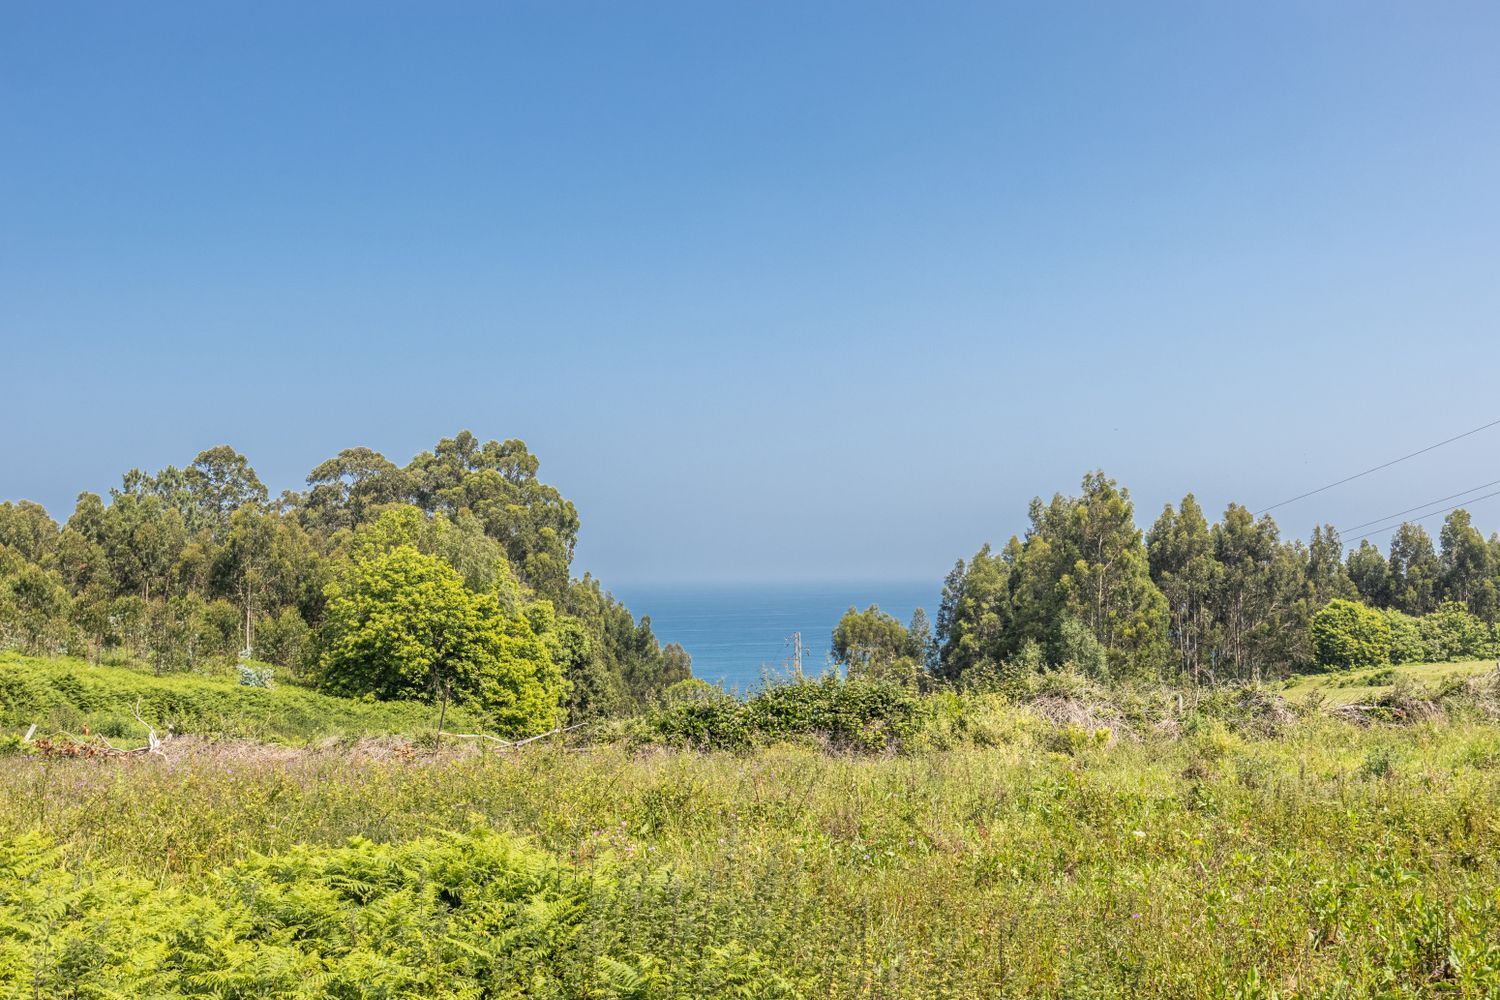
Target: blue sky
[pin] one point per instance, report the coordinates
(801, 290)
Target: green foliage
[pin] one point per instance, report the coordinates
(65, 695)
(287, 641)
(691, 691)
(1045, 852)
(458, 916)
(1349, 634)
(1450, 632)
(1371, 576)
(872, 645)
(498, 483)
(185, 567)
(1407, 644)
(28, 531)
(403, 625)
(1180, 548)
(864, 716)
(1078, 648)
(625, 659)
(34, 605)
(1414, 571)
(1084, 559)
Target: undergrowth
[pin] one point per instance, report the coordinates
(71, 696)
(1053, 839)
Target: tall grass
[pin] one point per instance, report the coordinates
(65, 695)
(1326, 860)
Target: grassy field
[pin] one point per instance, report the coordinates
(71, 696)
(1265, 854)
(1359, 686)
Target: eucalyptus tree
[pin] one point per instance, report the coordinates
(1180, 548)
(1415, 571)
(1466, 571)
(1370, 574)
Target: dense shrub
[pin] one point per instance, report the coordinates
(860, 715)
(1407, 645)
(287, 641)
(1349, 634)
(1452, 633)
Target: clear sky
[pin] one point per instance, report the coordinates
(775, 290)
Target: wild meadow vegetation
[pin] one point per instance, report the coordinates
(1053, 839)
(374, 740)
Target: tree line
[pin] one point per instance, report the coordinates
(1230, 600)
(449, 575)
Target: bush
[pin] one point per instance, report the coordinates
(859, 715)
(1348, 634)
(285, 640)
(252, 676)
(1407, 645)
(1079, 649)
(1452, 633)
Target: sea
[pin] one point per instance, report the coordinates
(740, 634)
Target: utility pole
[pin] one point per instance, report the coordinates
(796, 640)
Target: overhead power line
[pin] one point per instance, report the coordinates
(1420, 506)
(1424, 517)
(1377, 468)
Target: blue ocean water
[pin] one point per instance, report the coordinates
(738, 632)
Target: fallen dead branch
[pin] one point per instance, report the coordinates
(512, 744)
(153, 742)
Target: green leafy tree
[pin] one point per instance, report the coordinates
(402, 624)
(34, 605)
(1370, 574)
(1349, 634)
(923, 646)
(624, 647)
(594, 691)
(497, 482)
(976, 628)
(1180, 549)
(1090, 550)
(1083, 558)
(1464, 566)
(27, 530)
(1451, 632)
(1407, 644)
(872, 645)
(220, 482)
(1255, 602)
(460, 542)
(267, 563)
(1414, 570)
(347, 490)
(142, 538)
(285, 640)
(1327, 578)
